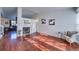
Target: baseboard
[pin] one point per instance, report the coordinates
(48, 35)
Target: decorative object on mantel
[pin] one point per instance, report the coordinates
(51, 21)
(43, 21)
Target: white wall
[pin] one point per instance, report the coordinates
(65, 20)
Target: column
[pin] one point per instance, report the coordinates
(19, 21)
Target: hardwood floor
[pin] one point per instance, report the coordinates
(36, 42)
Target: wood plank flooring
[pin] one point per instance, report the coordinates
(36, 42)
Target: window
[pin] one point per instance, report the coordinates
(13, 23)
(77, 22)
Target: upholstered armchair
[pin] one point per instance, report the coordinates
(69, 39)
(72, 37)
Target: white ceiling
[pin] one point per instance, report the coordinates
(44, 9)
(37, 10)
(9, 12)
(30, 11)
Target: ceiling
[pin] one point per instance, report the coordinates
(9, 12)
(44, 9)
(28, 12)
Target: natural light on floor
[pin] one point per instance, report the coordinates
(12, 35)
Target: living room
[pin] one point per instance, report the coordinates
(41, 28)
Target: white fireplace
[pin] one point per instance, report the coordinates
(26, 26)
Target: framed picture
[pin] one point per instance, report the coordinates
(52, 22)
(6, 22)
(43, 21)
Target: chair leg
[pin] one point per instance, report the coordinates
(70, 46)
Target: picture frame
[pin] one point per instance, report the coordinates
(43, 21)
(6, 22)
(51, 21)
